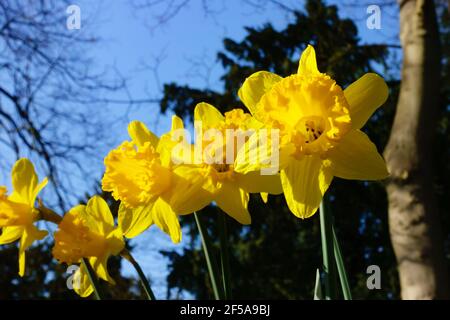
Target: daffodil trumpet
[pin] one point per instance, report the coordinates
(88, 232)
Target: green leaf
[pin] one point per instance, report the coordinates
(318, 295)
(341, 268)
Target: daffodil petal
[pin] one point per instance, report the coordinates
(115, 242)
(255, 182)
(140, 134)
(10, 234)
(364, 96)
(248, 157)
(357, 158)
(255, 155)
(308, 62)
(134, 221)
(255, 87)
(29, 235)
(207, 114)
(100, 266)
(38, 189)
(24, 180)
(81, 282)
(177, 123)
(233, 201)
(166, 219)
(165, 147)
(99, 217)
(174, 146)
(264, 196)
(304, 184)
(190, 192)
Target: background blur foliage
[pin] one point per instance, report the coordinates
(277, 256)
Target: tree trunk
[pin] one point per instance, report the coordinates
(414, 220)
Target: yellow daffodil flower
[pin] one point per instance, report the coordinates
(152, 190)
(88, 231)
(17, 211)
(230, 189)
(319, 126)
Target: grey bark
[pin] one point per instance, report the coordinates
(414, 220)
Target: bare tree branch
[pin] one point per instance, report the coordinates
(53, 101)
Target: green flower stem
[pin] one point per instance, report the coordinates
(210, 261)
(318, 287)
(144, 282)
(341, 268)
(93, 279)
(327, 251)
(224, 256)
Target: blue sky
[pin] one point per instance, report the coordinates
(186, 47)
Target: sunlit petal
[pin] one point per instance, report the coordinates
(308, 63)
(233, 201)
(207, 114)
(254, 88)
(24, 180)
(167, 220)
(364, 96)
(304, 183)
(140, 134)
(134, 221)
(357, 158)
(29, 235)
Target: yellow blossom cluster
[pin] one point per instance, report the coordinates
(319, 136)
